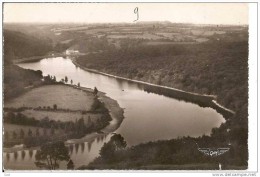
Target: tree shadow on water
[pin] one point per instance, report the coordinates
(23, 155)
(82, 145)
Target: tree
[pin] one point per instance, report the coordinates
(89, 121)
(51, 154)
(14, 135)
(118, 141)
(37, 132)
(78, 84)
(54, 79)
(80, 126)
(44, 132)
(71, 81)
(95, 91)
(55, 107)
(66, 79)
(48, 79)
(115, 144)
(52, 131)
(30, 132)
(6, 136)
(22, 134)
(70, 165)
(107, 152)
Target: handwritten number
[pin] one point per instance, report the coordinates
(137, 14)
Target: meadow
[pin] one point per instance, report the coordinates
(46, 96)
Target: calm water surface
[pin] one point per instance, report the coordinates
(148, 116)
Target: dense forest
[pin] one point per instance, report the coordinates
(175, 154)
(16, 80)
(217, 67)
(20, 45)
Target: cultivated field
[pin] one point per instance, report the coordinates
(63, 96)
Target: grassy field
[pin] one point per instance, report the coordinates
(61, 116)
(63, 96)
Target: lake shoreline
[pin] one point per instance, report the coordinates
(115, 111)
(37, 58)
(200, 99)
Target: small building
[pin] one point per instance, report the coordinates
(71, 52)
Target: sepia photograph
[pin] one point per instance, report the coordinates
(125, 86)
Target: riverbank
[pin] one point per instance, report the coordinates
(37, 58)
(115, 111)
(202, 100)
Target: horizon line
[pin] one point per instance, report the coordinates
(133, 23)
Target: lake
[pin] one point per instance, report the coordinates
(148, 116)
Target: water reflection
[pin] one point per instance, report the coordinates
(77, 148)
(89, 145)
(23, 155)
(30, 153)
(98, 139)
(15, 155)
(71, 148)
(82, 145)
(148, 116)
(7, 156)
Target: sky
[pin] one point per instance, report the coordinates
(198, 13)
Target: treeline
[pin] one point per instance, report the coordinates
(175, 154)
(76, 129)
(17, 80)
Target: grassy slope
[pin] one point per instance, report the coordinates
(63, 96)
(20, 45)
